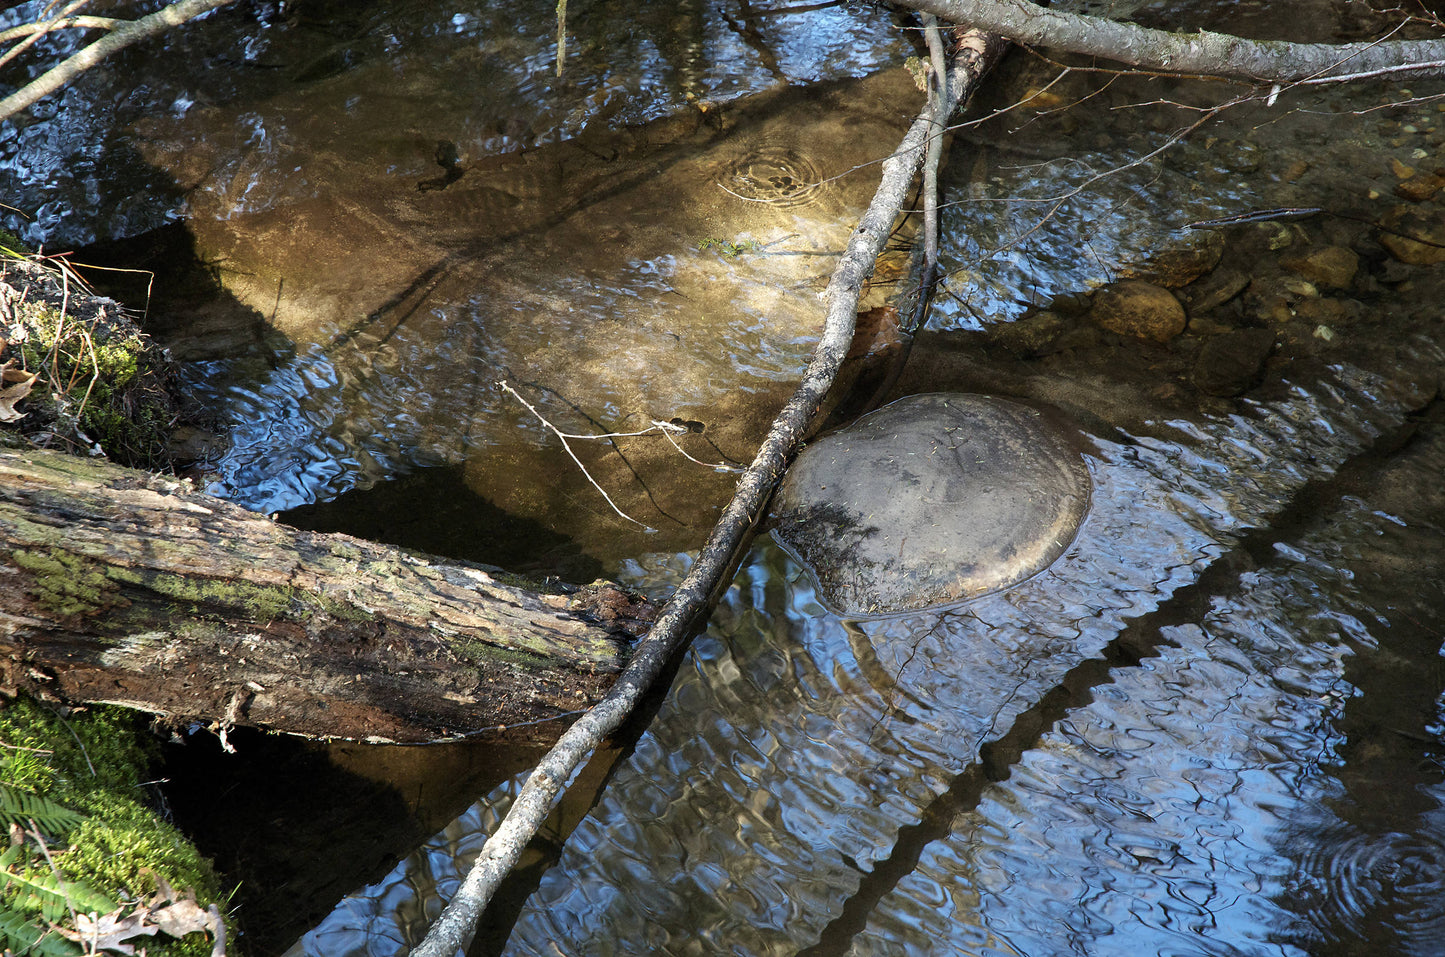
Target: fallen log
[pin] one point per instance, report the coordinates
(125, 587)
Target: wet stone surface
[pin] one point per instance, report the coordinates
(931, 500)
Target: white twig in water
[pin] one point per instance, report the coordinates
(668, 430)
(562, 436)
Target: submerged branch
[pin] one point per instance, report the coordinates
(977, 52)
(1202, 53)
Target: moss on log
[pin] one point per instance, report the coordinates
(124, 587)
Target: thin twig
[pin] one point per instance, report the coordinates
(562, 436)
(669, 633)
(60, 881)
(668, 430)
(64, 23)
(42, 28)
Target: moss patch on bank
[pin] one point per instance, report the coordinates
(100, 381)
(102, 837)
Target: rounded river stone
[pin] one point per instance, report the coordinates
(931, 500)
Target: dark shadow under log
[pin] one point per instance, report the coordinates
(124, 587)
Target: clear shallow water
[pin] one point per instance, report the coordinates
(423, 64)
(1214, 727)
(977, 780)
(408, 206)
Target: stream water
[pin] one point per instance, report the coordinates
(1215, 725)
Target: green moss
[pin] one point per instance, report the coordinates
(481, 651)
(63, 583)
(103, 380)
(344, 610)
(259, 603)
(540, 586)
(728, 248)
(94, 762)
(11, 245)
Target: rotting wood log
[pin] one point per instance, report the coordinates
(126, 587)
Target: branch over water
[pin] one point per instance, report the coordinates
(976, 54)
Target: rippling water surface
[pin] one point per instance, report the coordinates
(1215, 726)
(1194, 734)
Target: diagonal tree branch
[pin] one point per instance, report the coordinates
(977, 53)
(118, 39)
(1201, 53)
(64, 23)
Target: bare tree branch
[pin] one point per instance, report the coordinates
(64, 23)
(937, 95)
(1202, 53)
(41, 29)
(118, 39)
(454, 929)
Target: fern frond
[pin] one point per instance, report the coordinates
(25, 938)
(22, 807)
(54, 897)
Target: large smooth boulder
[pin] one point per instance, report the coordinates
(931, 500)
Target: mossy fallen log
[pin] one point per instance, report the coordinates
(125, 587)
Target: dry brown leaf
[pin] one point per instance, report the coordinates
(175, 915)
(181, 918)
(15, 384)
(110, 931)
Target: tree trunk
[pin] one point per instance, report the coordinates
(125, 587)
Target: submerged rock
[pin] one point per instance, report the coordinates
(1179, 263)
(628, 275)
(1402, 226)
(1327, 267)
(1140, 309)
(1233, 363)
(931, 500)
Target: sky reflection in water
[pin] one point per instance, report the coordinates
(814, 785)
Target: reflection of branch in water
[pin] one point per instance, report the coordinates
(1057, 202)
(887, 686)
(748, 32)
(1137, 641)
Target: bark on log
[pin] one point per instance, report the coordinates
(125, 587)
